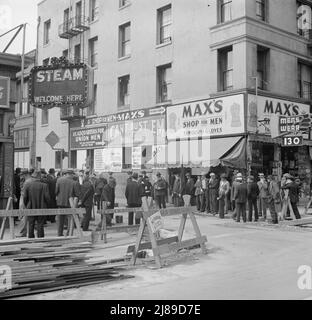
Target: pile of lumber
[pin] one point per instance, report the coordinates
(42, 265)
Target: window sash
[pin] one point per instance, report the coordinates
(94, 10)
(124, 92)
(225, 10)
(125, 41)
(44, 116)
(165, 25)
(260, 9)
(228, 79)
(165, 84)
(46, 35)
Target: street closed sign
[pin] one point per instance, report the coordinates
(292, 141)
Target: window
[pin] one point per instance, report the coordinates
(46, 32)
(304, 81)
(22, 107)
(21, 139)
(124, 40)
(123, 91)
(73, 159)
(44, 116)
(1, 124)
(93, 52)
(123, 3)
(262, 67)
(22, 159)
(164, 82)
(164, 25)
(58, 159)
(225, 10)
(78, 13)
(77, 53)
(94, 10)
(127, 157)
(261, 9)
(92, 107)
(226, 69)
(45, 62)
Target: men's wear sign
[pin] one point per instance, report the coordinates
(206, 118)
(4, 92)
(264, 112)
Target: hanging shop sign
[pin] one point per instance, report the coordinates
(52, 86)
(206, 118)
(292, 141)
(264, 110)
(4, 92)
(109, 159)
(88, 138)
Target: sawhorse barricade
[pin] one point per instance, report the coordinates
(308, 206)
(72, 213)
(116, 229)
(153, 222)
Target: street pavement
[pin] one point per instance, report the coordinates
(244, 261)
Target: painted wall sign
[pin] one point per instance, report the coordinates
(88, 138)
(263, 110)
(53, 86)
(4, 92)
(206, 118)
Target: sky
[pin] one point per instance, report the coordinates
(14, 13)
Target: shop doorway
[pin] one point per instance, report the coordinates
(268, 158)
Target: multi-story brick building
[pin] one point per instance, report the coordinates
(202, 61)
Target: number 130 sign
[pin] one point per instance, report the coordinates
(292, 141)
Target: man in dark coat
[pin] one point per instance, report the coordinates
(240, 196)
(252, 194)
(133, 195)
(293, 193)
(213, 186)
(64, 192)
(86, 201)
(51, 180)
(17, 188)
(36, 196)
(108, 197)
(160, 190)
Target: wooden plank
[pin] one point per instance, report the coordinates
(297, 222)
(182, 226)
(171, 211)
(119, 229)
(77, 223)
(138, 241)
(41, 212)
(12, 233)
(2, 228)
(148, 245)
(174, 247)
(197, 232)
(154, 246)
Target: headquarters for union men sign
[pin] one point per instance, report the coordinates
(59, 86)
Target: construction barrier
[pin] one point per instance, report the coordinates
(153, 221)
(11, 214)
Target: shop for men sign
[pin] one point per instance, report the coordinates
(52, 86)
(206, 118)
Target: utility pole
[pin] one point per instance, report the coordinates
(23, 64)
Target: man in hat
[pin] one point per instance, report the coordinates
(36, 196)
(160, 189)
(252, 196)
(273, 198)
(236, 181)
(204, 196)
(133, 196)
(113, 183)
(224, 189)
(177, 190)
(17, 188)
(188, 190)
(263, 194)
(64, 191)
(213, 186)
(293, 194)
(240, 196)
(129, 179)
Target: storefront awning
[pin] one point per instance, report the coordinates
(236, 157)
(200, 153)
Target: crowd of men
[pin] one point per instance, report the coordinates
(245, 197)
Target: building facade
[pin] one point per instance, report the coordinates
(9, 66)
(177, 82)
(24, 128)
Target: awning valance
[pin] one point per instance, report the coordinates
(197, 153)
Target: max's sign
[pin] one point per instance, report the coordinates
(52, 86)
